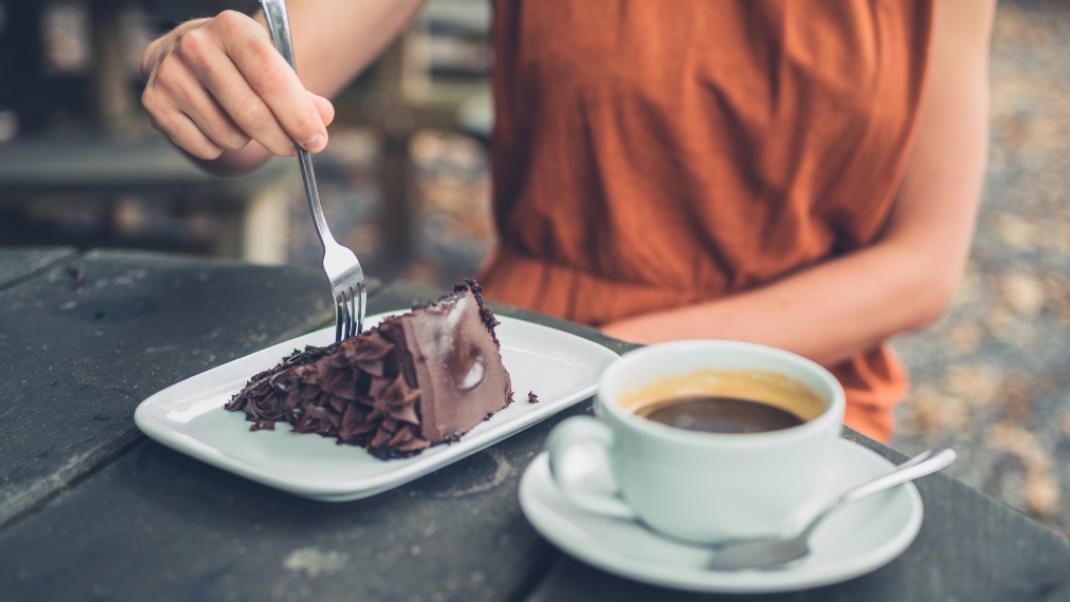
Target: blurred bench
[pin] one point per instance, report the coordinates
(435, 75)
(252, 208)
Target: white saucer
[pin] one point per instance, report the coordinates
(855, 540)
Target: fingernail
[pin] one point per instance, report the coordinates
(316, 143)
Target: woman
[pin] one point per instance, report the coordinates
(803, 175)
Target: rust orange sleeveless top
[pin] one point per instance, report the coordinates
(650, 154)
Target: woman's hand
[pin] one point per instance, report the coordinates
(216, 84)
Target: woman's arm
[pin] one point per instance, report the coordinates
(905, 280)
(221, 92)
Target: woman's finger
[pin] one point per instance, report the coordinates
(196, 103)
(324, 107)
(187, 136)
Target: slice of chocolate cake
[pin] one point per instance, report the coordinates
(416, 380)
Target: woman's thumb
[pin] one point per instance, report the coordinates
(325, 108)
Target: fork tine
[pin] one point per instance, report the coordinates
(343, 302)
(348, 328)
(352, 314)
(345, 315)
(360, 308)
(338, 322)
(355, 326)
(349, 313)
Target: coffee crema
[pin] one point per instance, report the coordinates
(725, 401)
(719, 414)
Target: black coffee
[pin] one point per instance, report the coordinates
(713, 414)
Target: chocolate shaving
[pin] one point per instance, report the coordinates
(77, 277)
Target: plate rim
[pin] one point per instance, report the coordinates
(162, 431)
(721, 581)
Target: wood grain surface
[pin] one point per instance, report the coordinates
(94, 511)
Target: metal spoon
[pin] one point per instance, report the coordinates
(773, 552)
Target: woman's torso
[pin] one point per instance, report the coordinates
(653, 154)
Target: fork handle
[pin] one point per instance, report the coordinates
(308, 178)
(279, 26)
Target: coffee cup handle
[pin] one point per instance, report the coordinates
(583, 435)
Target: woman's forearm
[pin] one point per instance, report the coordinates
(827, 312)
(334, 40)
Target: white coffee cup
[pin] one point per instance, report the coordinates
(698, 486)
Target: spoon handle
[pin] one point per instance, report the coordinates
(923, 464)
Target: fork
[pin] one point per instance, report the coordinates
(339, 263)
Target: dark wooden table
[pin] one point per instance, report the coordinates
(91, 510)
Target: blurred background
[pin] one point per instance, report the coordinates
(405, 184)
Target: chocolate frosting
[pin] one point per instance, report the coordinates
(376, 389)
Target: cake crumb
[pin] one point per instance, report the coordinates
(77, 277)
(532, 397)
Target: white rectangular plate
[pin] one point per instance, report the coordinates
(560, 368)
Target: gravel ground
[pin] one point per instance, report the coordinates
(992, 378)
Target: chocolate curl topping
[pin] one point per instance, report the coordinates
(359, 419)
(414, 444)
(396, 399)
(371, 347)
(340, 380)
